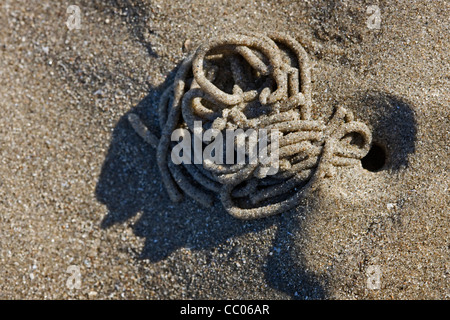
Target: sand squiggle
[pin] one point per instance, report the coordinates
(252, 81)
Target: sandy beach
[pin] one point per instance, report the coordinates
(83, 211)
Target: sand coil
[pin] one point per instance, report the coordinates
(252, 81)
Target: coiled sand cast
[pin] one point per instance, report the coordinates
(252, 81)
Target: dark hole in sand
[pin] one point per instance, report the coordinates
(376, 158)
(393, 130)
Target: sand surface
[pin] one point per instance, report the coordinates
(83, 213)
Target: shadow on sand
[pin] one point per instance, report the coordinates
(130, 183)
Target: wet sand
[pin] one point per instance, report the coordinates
(83, 213)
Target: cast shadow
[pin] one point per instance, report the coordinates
(130, 185)
(394, 130)
(286, 268)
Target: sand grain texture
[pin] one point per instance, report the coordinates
(79, 187)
